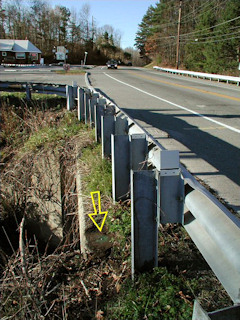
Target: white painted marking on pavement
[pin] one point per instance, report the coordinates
(176, 105)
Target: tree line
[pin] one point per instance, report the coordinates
(209, 34)
(48, 27)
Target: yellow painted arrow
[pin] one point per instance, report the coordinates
(96, 211)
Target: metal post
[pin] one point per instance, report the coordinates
(28, 93)
(93, 102)
(75, 88)
(86, 105)
(144, 227)
(138, 151)
(120, 167)
(170, 185)
(121, 125)
(107, 129)
(70, 100)
(80, 95)
(98, 112)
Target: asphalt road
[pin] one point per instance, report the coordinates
(40, 75)
(200, 118)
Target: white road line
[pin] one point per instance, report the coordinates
(176, 105)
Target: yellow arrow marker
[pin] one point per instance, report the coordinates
(96, 211)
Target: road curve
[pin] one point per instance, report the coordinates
(200, 118)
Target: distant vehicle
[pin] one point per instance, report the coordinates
(129, 64)
(112, 64)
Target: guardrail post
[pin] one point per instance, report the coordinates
(80, 103)
(138, 151)
(75, 88)
(170, 186)
(144, 229)
(86, 104)
(28, 92)
(121, 125)
(120, 166)
(107, 129)
(98, 113)
(70, 99)
(93, 103)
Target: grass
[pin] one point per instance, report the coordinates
(165, 293)
(100, 175)
(67, 127)
(69, 72)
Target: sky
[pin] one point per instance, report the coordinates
(124, 15)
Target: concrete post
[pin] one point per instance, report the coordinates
(120, 166)
(107, 128)
(70, 100)
(138, 151)
(144, 221)
(80, 94)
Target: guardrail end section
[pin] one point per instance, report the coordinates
(144, 229)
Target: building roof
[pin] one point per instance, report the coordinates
(18, 46)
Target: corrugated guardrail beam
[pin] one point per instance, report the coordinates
(205, 209)
(212, 227)
(203, 75)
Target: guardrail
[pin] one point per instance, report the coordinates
(202, 75)
(161, 191)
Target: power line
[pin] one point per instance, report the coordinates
(217, 25)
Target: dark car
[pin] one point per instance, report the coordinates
(112, 64)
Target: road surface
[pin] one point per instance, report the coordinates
(200, 118)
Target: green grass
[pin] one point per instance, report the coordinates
(68, 127)
(69, 72)
(156, 295)
(100, 176)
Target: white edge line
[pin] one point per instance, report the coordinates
(176, 105)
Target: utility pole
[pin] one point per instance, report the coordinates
(178, 36)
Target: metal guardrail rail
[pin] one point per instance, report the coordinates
(158, 184)
(33, 88)
(202, 75)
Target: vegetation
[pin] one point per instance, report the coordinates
(209, 35)
(59, 284)
(47, 27)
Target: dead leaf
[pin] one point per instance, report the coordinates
(99, 315)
